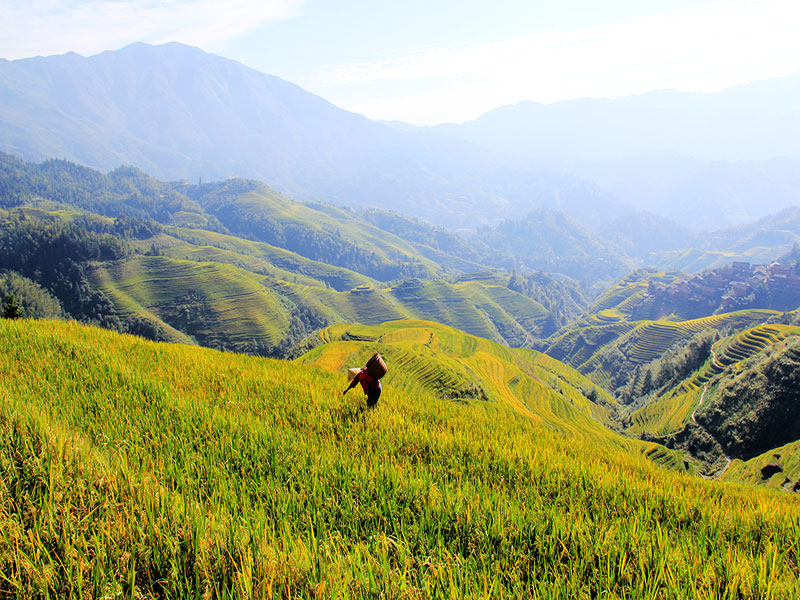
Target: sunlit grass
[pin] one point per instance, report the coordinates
(135, 469)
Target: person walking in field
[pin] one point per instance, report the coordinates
(370, 379)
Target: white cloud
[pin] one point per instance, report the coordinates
(705, 49)
(42, 27)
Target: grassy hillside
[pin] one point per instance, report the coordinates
(317, 231)
(212, 303)
(203, 245)
(672, 410)
(146, 470)
(608, 353)
(761, 470)
(220, 305)
(440, 360)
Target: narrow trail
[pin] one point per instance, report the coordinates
(699, 405)
(705, 387)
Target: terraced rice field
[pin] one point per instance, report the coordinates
(336, 222)
(667, 413)
(728, 353)
(225, 303)
(577, 347)
(591, 348)
(261, 258)
(629, 292)
(654, 338)
(241, 307)
(608, 316)
(444, 361)
(673, 409)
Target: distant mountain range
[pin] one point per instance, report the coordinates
(707, 160)
(755, 122)
(180, 113)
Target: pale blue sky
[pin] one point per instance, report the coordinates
(429, 61)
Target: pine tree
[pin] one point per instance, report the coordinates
(12, 308)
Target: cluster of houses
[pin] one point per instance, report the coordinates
(738, 285)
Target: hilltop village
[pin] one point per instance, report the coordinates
(737, 286)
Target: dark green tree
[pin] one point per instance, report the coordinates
(12, 308)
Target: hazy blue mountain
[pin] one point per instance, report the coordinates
(759, 242)
(705, 160)
(752, 122)
(775, 231)
(177, 112)
(703, 195)
(641, 235)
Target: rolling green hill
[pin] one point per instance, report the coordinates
(317, 231)
(215, 304)
(203, 246)
(219, 305)
(150, 470)
(320, 264)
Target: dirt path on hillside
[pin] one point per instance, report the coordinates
(705, 387)
(699, 404)
(714, 360)
(727, 464)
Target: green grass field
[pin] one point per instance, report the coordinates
(142, 470)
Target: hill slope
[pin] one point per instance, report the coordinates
(235, 265)
(224, 306)
(440, 360)
(228, 475)
(737, 410)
